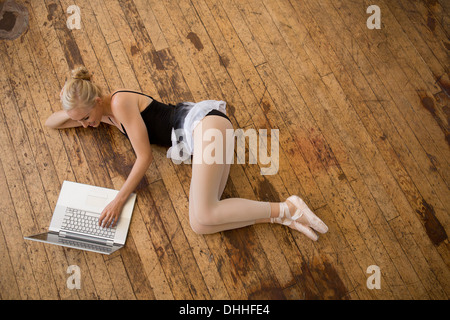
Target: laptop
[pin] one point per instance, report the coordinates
(75, 219)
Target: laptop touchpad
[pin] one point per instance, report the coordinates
(96, 201)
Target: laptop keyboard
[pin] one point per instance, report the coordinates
(86, 222)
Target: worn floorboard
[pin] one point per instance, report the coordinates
(364, 135)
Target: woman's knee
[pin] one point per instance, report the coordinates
(200, 229)
(204, 215)
(197, 227)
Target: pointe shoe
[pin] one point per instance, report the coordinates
(309, 222)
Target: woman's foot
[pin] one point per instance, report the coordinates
(303, 219)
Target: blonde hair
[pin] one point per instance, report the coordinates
(79, 90)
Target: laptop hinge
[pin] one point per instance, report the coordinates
(77, 236)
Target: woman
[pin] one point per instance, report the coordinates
(146, 121)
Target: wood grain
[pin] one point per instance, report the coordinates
(363, 117)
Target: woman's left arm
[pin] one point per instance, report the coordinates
(130, 117)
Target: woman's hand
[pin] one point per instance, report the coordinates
(111, 213)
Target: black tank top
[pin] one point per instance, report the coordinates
(159, 120)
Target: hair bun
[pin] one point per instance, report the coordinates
(81, 73)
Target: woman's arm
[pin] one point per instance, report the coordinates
(131, 119)
(61, 120)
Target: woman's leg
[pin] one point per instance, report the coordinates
(209, 214)
(207, 229)
(208, 180)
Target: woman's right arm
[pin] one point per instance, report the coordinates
(61, 120)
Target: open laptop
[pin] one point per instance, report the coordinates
(75, 220)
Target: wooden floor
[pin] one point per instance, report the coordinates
(363, 119)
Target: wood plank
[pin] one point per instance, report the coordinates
(179, 242)
(428, 11)
(22, 172)
(328, 52)
(134, 55)
(288, 31)
(143, 45)
(153, 270)
(151, 23)
(165, 251)
(333, 147)
(426, 89)
(436, 260)
(424, 35)
(10, 287)
(440, 13)
(404, 99)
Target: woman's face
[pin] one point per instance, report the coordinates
(88, 117)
